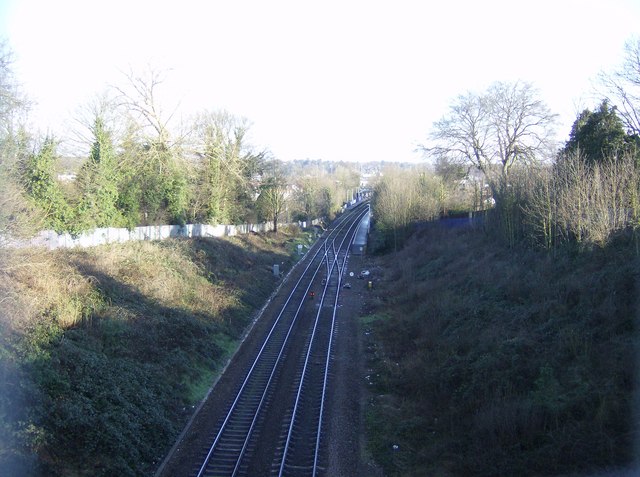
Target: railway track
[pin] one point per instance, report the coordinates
(302, 319)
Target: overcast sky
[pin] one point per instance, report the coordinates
(343, 80)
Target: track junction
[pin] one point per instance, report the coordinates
(270, 410)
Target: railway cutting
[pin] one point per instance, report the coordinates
(267, 414)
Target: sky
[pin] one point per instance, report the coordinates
(332, 80)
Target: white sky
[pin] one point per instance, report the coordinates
(334, 80)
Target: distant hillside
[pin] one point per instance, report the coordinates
(485, 360)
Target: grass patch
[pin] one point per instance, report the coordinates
(205, 376)
(197, 390)
(303, 238)
(374, 318)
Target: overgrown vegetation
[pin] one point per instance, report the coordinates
(494, 360)
(103, 352)
(501, 350)
(510, 348)
(136, 165)
(403, 197)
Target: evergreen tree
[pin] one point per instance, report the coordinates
(600, 135)
(223, 183)
(39, 179)
(98, 181)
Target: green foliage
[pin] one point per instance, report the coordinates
(327, 203)
(109, 393)
(307, 204)
(20, 435)
(116, 401)
(129, 195)
(39, 179)
(98, 181)
(305, 238)
(152, 186)
(215, 185)
(600, 135)
(17, 215)
(176, 193)
(497, 361)
(222, 180)
(151, 182)
(146, 178)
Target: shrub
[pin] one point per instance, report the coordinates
(512, 360)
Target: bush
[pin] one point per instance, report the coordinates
(105, 350)
(511, 360)
(580, 202)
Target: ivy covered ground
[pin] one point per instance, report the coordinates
(488, 360)
(105, 351)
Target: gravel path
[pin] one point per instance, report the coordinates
(346, 437)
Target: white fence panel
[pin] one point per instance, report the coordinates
(102, 236)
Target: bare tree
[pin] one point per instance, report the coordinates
(17, 215)
(272, 201)
(306, 196)
(139, 98)
(12, 101)
(103, 107)
(404, 196)
(506, 125)
(156, 175)
(225, 167)
(540, 209)
(584, 203)
(622, 87)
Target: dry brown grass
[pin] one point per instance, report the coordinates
(62, 284)
(106, 347)
(37, 282)
(163, 273)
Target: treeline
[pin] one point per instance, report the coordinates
(141, 171)
(505, 349)
(495, 152)
(588, 195)
(403, 196)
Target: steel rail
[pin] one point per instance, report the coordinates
(339, 268)
(326, 370)
(240, 393)
(260, 355)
